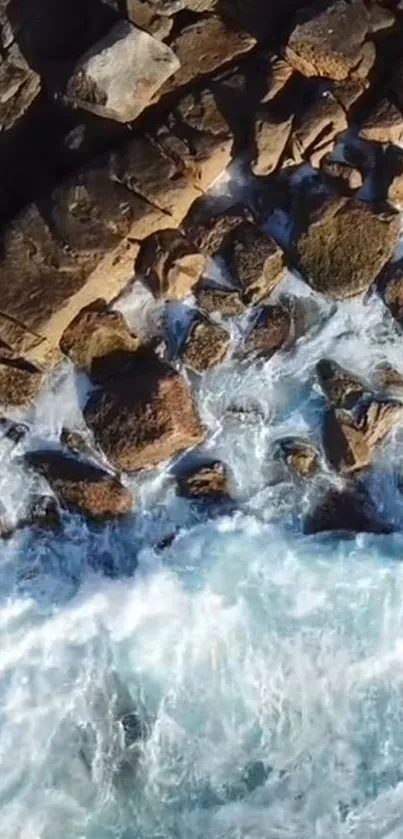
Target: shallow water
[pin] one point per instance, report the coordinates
(263, 670)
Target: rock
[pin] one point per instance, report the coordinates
(301, 457)
(342, 388)
(269, 142)
(206, 344)
(75, 441)
(269, 333)
(121, 75)
(43, 513)
(145, 16)
(96, 340)
(393, 169)
(387, 378)
(20, 383)
(144, 416)
(169, 265)
(203, 47)
(345, 249)
(328, 39)
(384, 124)
(317, 128)
(393, 294)
(222, 300)
(14, 431)
(344, 173)
(19, 88)
(348, 92)
(279, 72)
(307, 315)
(209, 481)
(257, 263)
(350, 444)
(210, 233)
(348, 509)
(82, 487)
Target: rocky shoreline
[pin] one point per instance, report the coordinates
(118, 120)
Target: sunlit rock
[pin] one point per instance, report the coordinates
(169, 265)
(205, 481)
(269, 332)
(206, 344)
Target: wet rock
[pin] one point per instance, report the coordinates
(169, 265)
(351, 444)
(209, 481)
(209, 233)
(256, 261)
(205, 46)
(388, 378)
(144, 416)
(20, 383)
(269, 333)
(393, 293)
(97, 339)
(307, 315)
(384, 123)
(328, 39)
(343, 173)
(81, 487)
(14, 431)
(43, 513)
(119, 76)
(228, 303)
(317, 129)
(205, 346)
(301, 457)
(345, 248)
(342, 388)
(348, 509)
(75, 441)
(269, 142)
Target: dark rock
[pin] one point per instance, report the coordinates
(209, 233)
(169, 264)
(393, 293)
(343, 173)
(222, 300)
(269, 333)
(344, 249)
(348, 509)
(342, 388)
(97, 339)
(144, 416)
(384, 123)
(81, 487)
(301, 457)
(206, 344)
(351, 444)
(75, 441)
(317, 129)
(208, 481)
(43, 513)
(20, 382)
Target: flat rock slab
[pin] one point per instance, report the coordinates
(346, 247)
(120, 76)
(144, 416)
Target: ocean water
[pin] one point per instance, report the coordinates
(246, 682)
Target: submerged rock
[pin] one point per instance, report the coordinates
(346, 246)
(269, 333)
(301, 457)
(97, 339)
(81, 487)
(348, 509)
(206, 344)
(342, 388)
(208, 481)
(169, 264)
(350, 444)
(144, 416)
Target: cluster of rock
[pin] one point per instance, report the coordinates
(149, 102)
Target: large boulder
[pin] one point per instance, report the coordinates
(97, 338)
(144, 416)
(206, 344)
(344, 248)
(169, 265)
(351, 444)
(349, 509)
(81, 487)
(120, 75)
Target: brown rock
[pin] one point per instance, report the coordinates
(210, 232)
(349, 509)
(205, 46)
(206, 344)
(393, 294)
(270, 140)
(393, 169)
(343, 252)
(301, 457)
(208, 481)
(351, 445)
(344, 173)
(75, 441)
(279, 73)
(317, 128)
(143, 14)
(97, 338)
(269, 333)
(222, 300)
(169, 264)
(20, 87)
(388, 378)
(342, 388)
(256, 261)
(20, 383)
(144, 416)
(348, 92)
(384, 124)
(328, 39)
(82, 487)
